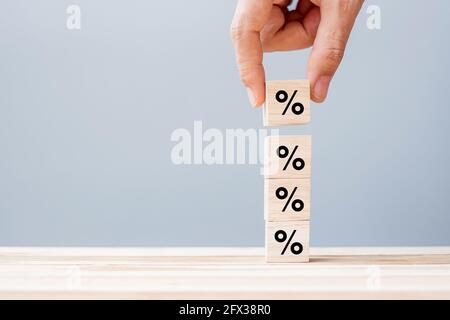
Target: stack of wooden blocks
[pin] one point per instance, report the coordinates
(287, 173)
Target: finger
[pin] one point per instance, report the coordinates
(294, 34)
(304, 6)
(275, 22)
(337, 20)
(282, 3)
(248, 21)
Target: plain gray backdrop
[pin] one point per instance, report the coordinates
(86, 118)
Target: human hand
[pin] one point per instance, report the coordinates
(266, 26)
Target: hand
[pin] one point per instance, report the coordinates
(266, 25)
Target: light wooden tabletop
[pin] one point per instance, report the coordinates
(222, 273)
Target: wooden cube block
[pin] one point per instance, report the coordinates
(287, 157)
(287, 199)
(287, 103)
(287, 241)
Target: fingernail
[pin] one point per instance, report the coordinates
(251, 97)
(321, 88)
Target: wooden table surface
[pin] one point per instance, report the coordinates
(222, 273)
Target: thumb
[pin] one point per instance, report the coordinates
(337, 20)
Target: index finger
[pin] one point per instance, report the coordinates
(249, 19)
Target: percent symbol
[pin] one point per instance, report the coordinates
(282, 237)
(282, 96)
(297, 163)
(282, 193)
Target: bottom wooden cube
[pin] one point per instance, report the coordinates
(287, 241)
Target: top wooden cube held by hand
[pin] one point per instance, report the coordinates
(287, 103)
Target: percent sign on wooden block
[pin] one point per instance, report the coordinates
(287, 103)
(287, 157)
(287, 199)
(287, 241)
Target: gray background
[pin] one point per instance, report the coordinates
(86, 118)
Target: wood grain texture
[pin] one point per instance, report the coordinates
(223, 273)
(291, 195)
(285, 90)
(284, 167)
